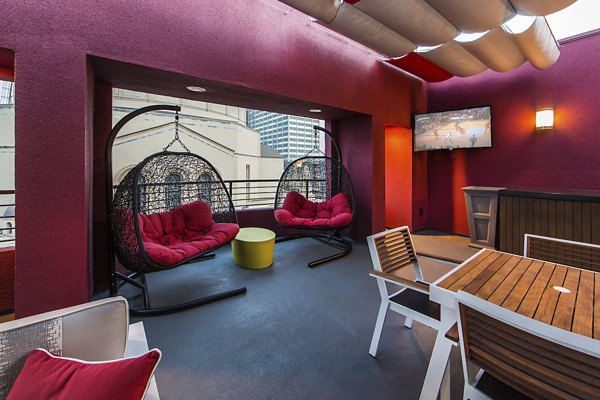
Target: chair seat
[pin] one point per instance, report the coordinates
(497, 389)
(298, 211)
(180, 249)
(418, 302)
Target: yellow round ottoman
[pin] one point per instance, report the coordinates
(253, 248)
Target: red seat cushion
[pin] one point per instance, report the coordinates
(297, 210)
(49, 377)
(176, 235)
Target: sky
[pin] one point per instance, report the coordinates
(581, 16)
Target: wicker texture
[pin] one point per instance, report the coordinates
(318, 178)
(162, 182)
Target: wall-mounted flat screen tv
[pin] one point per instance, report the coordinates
(455, 129)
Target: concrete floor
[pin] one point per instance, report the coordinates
(298, 333)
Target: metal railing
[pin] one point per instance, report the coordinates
(7, 222)
(255, 193)
(252, 193)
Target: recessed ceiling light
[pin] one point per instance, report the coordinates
(196, 89)
(315, 110)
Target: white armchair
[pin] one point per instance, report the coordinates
(95, 331)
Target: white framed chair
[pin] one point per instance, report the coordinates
(568, 252)
(95, 331)
(391, 252)
(507, 355)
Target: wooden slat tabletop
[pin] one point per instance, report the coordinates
(528, 287)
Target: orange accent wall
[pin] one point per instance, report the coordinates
(405, 181)
(398, 176)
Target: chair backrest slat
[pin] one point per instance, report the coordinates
(575, 254)
(394, 250)
(537, 367)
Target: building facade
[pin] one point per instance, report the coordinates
(7, 163)
(292, 136)
(216, 132)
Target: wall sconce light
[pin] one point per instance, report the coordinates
(544, 119)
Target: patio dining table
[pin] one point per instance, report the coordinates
(558, 295)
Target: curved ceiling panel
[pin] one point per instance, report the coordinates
(415, 20)
(474, 15)
(540, 7)
(324, 10)
(455, 59)
(538, 44)
(358, 26)
(496, 50)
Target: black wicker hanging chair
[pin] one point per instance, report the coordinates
(171, 209)
(315, 194)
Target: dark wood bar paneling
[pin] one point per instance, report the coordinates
(564, 214)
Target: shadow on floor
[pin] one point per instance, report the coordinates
(298, 333)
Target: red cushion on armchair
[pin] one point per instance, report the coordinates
(48, 377)
(297, 210)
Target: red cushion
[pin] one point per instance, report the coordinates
(297, 210)
(176, 235)
(48, 377)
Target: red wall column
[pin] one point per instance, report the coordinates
(7, 279)
(52, 179)
(101, 238)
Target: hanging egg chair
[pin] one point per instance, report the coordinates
(315, 194)
(171, 209)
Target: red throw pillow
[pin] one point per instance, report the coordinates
(48, 377)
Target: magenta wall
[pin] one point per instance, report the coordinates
(566, 158)
(256, 45)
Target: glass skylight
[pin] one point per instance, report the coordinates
(580, 17)
(425, 49)
(518, 24)
(469, 37)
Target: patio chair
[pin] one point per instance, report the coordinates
(507, 355)
(391, 252)
(95, 331)
(315, 194)
(575, 254)
(171, 209)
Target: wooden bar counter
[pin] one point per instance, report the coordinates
(563, 214)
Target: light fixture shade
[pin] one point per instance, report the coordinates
(544, 119)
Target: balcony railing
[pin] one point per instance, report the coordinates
(252, 193)
(7, 218)
(257, 193)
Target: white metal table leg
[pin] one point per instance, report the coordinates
(437, 379)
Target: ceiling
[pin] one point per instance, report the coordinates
(149, 80)
(438, 39)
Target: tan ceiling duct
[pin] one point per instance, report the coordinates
(455, 59)
(537, 44)
(358, 26)
(474, 15)
(496, 49)
(415, 20)
(540, 7)
(324, 10)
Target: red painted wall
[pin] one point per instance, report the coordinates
(257, 45)
(566, 158)
(7, 279)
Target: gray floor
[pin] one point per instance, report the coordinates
(298, 333)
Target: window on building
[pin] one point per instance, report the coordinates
(173, 195)
(205, 187)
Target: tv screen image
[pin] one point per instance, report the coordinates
(456, 129)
